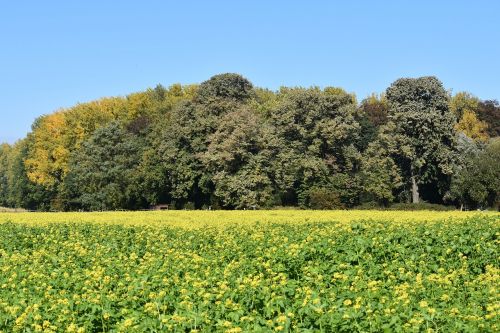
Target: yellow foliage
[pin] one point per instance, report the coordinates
(472, 126)
(47, 157)
(463, 101)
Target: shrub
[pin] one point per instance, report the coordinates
(322, 198)
(420, 206)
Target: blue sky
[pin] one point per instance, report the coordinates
(54, 54)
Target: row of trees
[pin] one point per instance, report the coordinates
(227, 144)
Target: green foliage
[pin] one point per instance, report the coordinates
(225, 86)
(5, 151)
(380, 175)
(317, 131)
(423, 129)
(476, 183)
(224, 143)
(102, 171)
(489, 112)
(184, 141)
(323, 198)
(370, 276)
(239, 157)
(372, 114)
(420, 206)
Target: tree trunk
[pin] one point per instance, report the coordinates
(414, 190)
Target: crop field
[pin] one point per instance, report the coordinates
(250, 271)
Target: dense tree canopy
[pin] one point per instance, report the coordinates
(476, 183)
(489, 112)
(102, 172)
(423, 130)
(227, 144)
(465, 107)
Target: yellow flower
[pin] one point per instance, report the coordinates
(423, 304)
(281, 319)
(234, 330)
(128, 323)
(347, 302)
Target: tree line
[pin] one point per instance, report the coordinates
(226, 144)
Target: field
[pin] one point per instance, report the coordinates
(258, 271)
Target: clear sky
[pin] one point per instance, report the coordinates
(54, 54)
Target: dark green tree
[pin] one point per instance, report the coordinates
(5, 151)
(423, 130)
(318, 131)
(18, 190)
(239, 156)
(185, 139)
(381, 177)
(489, 111)
(476, 182)
(102, 172)
(228, 86)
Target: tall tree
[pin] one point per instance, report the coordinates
(318, 132)
(47, 161)
(5, 151)
(185, 139)
(381, 176)
(239, 156)
(102, 171)
(21, 191)
(423, 127)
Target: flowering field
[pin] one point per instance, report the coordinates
(259, 271)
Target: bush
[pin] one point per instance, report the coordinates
(284, 208)
(322, 198)
(420, 206)
(189, 206)
(369, 206)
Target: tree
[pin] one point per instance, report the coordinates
(239, 156)
(102, 171)
(463, 101)
(47, 155)
(489, 112)
(225, 86)
(185, 139)
(226, 144)
(471, 126)
(5, 151)
(19, 191)
(465, 106)
(318, 132)
(371, 114)
(476, 183)
(423, 127)
(381, 177)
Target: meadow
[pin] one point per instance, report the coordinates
(250, 271)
